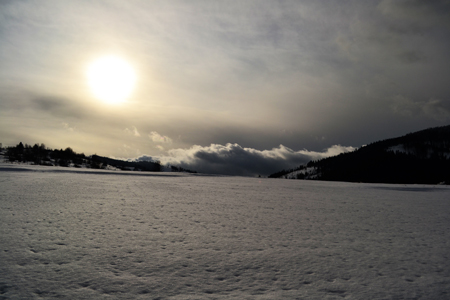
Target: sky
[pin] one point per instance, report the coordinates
(229, 87)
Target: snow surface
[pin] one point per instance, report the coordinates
(83, 234)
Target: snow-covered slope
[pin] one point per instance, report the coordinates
(85, 234)
(303, 173)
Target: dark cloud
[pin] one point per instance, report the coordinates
(411, 57)
(433, 108)
(60, 107)
(232, 159)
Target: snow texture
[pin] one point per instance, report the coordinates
(83, 234)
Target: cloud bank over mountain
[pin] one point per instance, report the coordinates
(233, 159)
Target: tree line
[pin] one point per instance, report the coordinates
(39, 154)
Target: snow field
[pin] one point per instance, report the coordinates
(76, 235)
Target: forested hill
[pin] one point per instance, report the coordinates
(41, 155)
(420, 157)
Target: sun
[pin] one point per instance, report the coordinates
(111, 79)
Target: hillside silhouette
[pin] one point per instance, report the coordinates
(419, 157)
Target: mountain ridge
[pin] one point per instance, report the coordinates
(418, 157)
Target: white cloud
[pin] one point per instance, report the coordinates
(68, 127)
(133, 131)
(232, 159)
(158, 138)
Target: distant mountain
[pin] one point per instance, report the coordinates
(419, 157)
(127, 165)
(151, 166)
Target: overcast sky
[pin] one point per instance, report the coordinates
(235, 87)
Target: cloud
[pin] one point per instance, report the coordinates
(236, 72)
(233, 159)
(421, 13)
(403, 106)
(60, 107)
(68, 127)
(432, 108)
(133, 131)
(410, 57)
(437, 109)
(156, 137)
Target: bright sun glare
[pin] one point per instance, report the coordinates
(111, 79)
